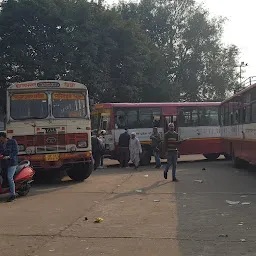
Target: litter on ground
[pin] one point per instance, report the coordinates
(246, 203)
(200, 181)
(98, 220)
(232, 202)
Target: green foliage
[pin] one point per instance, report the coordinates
(197, 65)
(156, 50)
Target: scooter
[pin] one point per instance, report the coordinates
(23, 178)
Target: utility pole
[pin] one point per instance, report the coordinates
(241, 66)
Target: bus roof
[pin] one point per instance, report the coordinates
(46, 84)
(252, 83)
(159, 104)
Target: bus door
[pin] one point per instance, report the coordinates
(105, 120)
(170, 119)
(188, 123)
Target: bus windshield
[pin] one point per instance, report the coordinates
(68, 105)
(29, 106)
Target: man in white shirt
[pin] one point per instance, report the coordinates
(135, 150)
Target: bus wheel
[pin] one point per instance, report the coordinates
(80, 172)
(237, 162)
(212, 157)
(228, 157)
(145, 158)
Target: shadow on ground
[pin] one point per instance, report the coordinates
(208, 224)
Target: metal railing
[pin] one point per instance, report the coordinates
(249, 81)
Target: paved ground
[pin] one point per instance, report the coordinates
(191, 218)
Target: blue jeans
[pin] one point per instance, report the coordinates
(157, 158)
(10, 175)
(172, 161)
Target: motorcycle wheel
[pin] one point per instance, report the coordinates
(24, 189)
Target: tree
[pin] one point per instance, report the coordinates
(197, 65)
(79, 41)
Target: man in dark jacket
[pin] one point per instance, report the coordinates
(123, 146)
(9, 149)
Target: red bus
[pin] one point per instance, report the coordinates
(238, 124)
(195, 121)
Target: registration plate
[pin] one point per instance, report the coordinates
(52, 157)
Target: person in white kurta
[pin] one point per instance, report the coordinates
(135, 150)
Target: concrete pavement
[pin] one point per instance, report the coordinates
(143, 214)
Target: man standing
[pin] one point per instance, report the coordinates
(103, 141)
(9, 149)
(95, 149)
(171, 141)
(123, 146)
(156, 140)
(135, 150)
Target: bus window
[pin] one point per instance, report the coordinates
(247, 108)
(253, 95)
(208, 116)
(95, 120)
(149, 117)
(247, 114)
(126, 118)
(188, 116)
(253, 112)
(221, 115)
(226, 115)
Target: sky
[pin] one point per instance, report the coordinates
(238, 27)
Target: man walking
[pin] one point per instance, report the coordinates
(155, 143)
(171, 141)
(123, 146)
(9, 149)
(135, 150)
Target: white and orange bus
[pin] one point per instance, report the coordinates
(51, 122)
(238, 124)
(196, 122)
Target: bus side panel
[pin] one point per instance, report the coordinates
(200, 140)
(201, 146)
(248, 143)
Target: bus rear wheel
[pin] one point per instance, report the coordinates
(145, 158)
(80, 172)
(212, 157)
(228, 157)
(237, 162)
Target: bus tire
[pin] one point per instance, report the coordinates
(145, 158)
(237, 162)
(228, 157)
(80, 172)
(212, 156)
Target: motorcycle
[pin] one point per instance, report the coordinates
(23, 178)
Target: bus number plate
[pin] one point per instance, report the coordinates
(52, 157)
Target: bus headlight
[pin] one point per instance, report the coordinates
(82, 144)
(29, 151)
(73, 149)
(21, 147)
